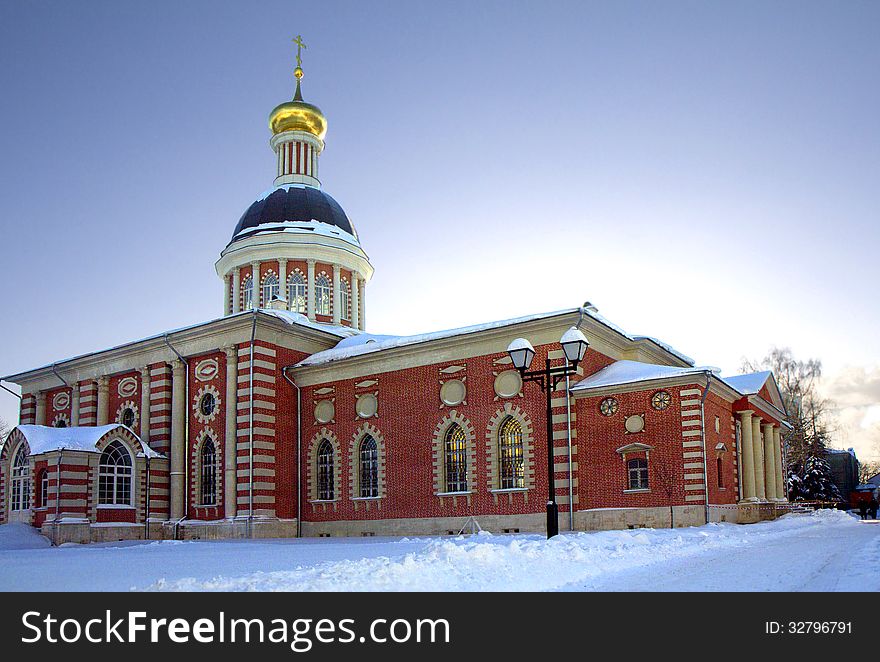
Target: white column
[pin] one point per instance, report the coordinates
(103, 401)
(41, 409)
(255, 284)
(227, 301)
(236, 290)
(337, 298)
(282, 279)
(74, 405)
(747, 454)
(363, 306)
(769, 462)
(355, 300)
(178, 438)
(760, 487)
(310, 304)
(781, 482)
(230, 442)
(145, 404)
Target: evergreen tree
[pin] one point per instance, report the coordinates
(817, 484)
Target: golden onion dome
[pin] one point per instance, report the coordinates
(297, 115)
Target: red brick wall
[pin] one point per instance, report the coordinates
(602, 470)
(215, 427)
(409, 412)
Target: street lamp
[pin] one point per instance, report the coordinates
(574, 346)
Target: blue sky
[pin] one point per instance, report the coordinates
(704, 172)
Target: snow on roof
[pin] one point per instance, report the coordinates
(302, 320)
(629, 372)
(294, 319)
(301, 227)
(750, 383)
(367, 343)
(669, 348)
(42, 438)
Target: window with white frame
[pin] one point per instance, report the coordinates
(209, 473)
(296, 292)
(369, 468)
(21, 480)
(323, 294)
(114, 475)
(510, 456)
(326, 474)
(637, 474)
(43, 499)
(345, 300)
(247, 293)
(455, 460)
(271, 289)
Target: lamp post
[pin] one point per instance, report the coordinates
(574, 346)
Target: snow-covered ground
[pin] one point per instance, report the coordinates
(823, 551)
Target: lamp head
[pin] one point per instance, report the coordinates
(574, 345)
(521, 354)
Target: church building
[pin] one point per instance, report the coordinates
(285, 417)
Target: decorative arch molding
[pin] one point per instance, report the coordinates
(128, 438)
(13, 441)
(493, 460)
(354, 473)
(129, 404)
(196, 467)
(61, 418)
(312, 481)
(439, 440)
(197, 402)
(270, 273)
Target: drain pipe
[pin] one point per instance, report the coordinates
(298, 450)
(59, 376)
(185, 438)
(705, 450)
(250, 518)
(147, 509)
(57, 498)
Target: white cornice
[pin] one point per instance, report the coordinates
(190, 341)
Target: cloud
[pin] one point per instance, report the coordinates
(855, 391)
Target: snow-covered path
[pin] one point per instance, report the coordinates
(825, 551)
(810, 560)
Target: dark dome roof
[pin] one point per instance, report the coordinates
(292, 203)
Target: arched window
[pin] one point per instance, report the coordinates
(128, 417)
(21, 480)
(43, 496)
(209, 473)
(326, 476)
(345, 300)
(369, 467)
(455, 451)
(296, 292)
(637, 474)
(247, 293)
(323, 295)
(270, 289)
(114, 476)
(61, 423)
(510, 455)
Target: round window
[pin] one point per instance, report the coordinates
(608, 407)
(661, 400)
(207, 404)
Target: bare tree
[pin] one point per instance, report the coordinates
(868, 469)
(808, 413)
(5, 429)
(664, 476)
